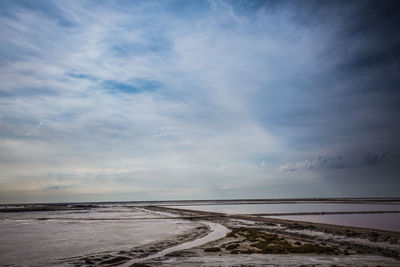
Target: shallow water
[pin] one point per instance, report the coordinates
(217, 231)
(386, 221)
(292, 207)
(26, 240)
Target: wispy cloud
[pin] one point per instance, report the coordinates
(177, 96)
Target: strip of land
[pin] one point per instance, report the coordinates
(253, 239)
(268, 238)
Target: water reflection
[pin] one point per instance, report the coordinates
(385, 221)
(293, 208)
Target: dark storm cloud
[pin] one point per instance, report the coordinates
(198, 94)
(340, 162)
(346, 100)
(350, 95)
(374, 159)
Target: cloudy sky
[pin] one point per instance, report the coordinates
(151, 100)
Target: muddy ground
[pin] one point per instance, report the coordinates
(259, 241)
(253, 241)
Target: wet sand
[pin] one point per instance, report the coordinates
(53, 237)
(343, 246)
(217, 231)
(255, 240)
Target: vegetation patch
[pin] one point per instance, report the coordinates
(266, 243)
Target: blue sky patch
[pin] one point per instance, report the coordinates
(133, 87)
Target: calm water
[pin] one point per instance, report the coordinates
(27, 240)
(217, 231)
(386, 221)
(291, 207)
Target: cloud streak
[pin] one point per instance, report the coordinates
(167, 100)
(340, 162)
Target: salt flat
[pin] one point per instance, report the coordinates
(177, 235)
(39, 238)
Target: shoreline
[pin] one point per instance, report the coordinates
(362, 240)
(257, 217)
(21, 207)
(254, 240)
(217, 231)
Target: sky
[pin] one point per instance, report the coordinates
(218, 99)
